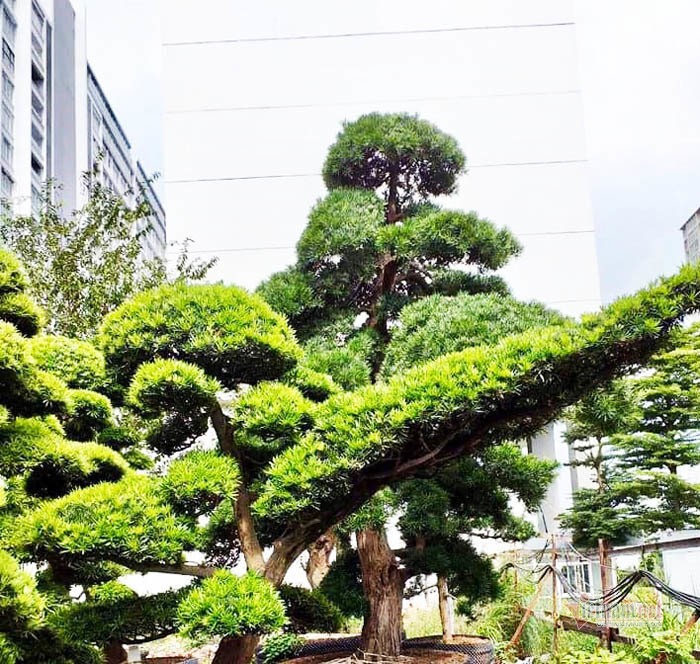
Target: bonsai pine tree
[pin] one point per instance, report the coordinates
(49, 419)
(386, 279)
(471, 496)
(284, 469)
(635, 435)
(290, 454)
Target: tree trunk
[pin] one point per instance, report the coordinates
(320, 558)
(447, 612)
(383, 583)
(236, 650)
(114, 653)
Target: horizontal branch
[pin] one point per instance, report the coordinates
(199, 571)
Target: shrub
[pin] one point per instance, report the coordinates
(310, 610)
(228, 605)
(88, 414)
(77, 363)
(280, 646)
(239, 339)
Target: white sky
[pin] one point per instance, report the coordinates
(638, 64)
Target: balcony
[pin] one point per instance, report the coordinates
(37, 45)
(38, 89)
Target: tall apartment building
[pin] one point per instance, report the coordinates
(691, 237)
(56, 122)
(256, 92)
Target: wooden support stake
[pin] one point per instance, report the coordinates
(555, 603)
(526, 616)
(691, 622)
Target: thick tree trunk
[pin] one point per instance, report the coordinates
(383, 583)
(236, 650)
(114, 653)
(447, 612)
(320, 558)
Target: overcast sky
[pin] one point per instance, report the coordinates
(638, 62)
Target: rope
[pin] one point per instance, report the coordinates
(616, 595)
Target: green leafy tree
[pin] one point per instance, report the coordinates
(378, 247)
(290, 453)
(84, 263)
(285, 469)
(634, 436)
(44, 397)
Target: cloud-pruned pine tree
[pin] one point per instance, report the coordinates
(292, 454)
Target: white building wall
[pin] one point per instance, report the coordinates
(250, 112)
(254, 97)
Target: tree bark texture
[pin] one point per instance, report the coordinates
(236, 650)
(383, 584)
(320, 558)
(447, 612)
(115, 653)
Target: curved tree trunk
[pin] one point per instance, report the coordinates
(115, 653)
(320, 558)
(447, 611)
(236, 650)
(383, 583)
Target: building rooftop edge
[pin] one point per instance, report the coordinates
(690, 218)
(91, 74)
(147, 182)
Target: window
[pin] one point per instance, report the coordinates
(37, 19)
(10, 27)
(37, 166)
(8, 88)
(8, 56)
(6, 184)
(37, 106)
(578, 575)
(36, 200)
(37, 138)
(6, 150)
(8, 119)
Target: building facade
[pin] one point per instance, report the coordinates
(55, 120)
(691, 237)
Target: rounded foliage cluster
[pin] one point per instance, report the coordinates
(340, 239)
(114, 612)
(269, 418)
(198, 481)
(21, 310)
(314, 385)
(16, 307)
(26, 390)
(125, 521)
(228, 605)
(89, 413)
(232, 335)
(77, 363)
(443, 237)
(177, 397)
(13, 277)
(438, 325)
(310, 611)
(375, 148)
(171, 385)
